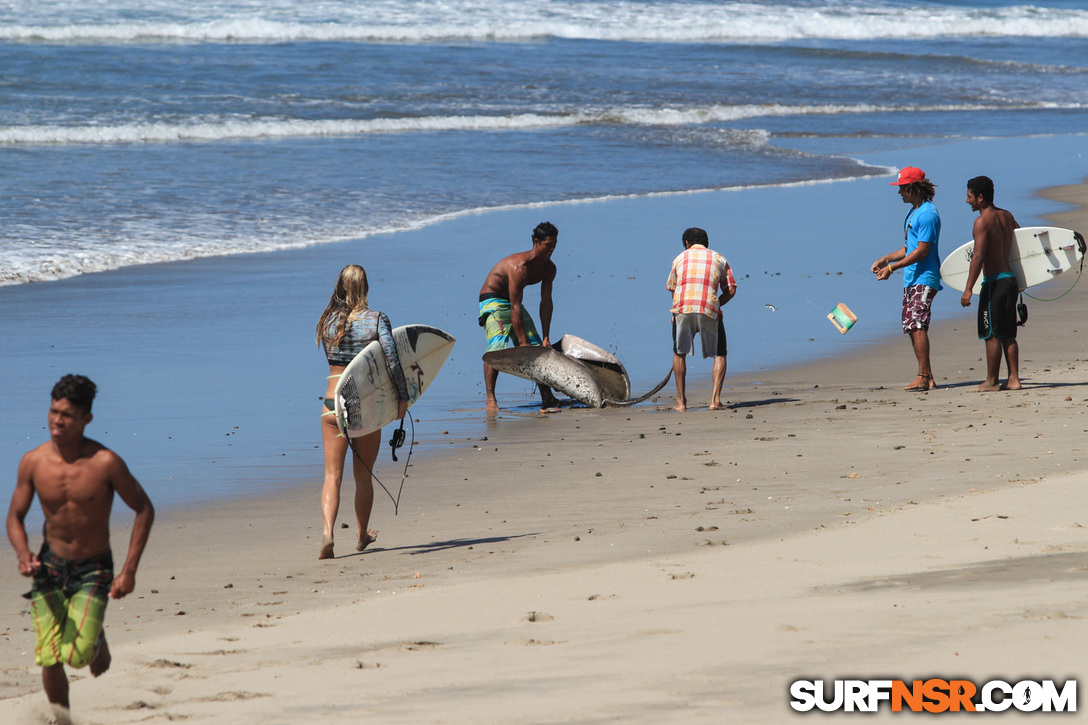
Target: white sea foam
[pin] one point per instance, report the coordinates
(22, 263)
(192, 21)
(45, 261)
(210, 131)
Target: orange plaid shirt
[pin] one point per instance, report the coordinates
(694, 280)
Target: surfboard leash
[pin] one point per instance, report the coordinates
(1083, 247)
(395, 442)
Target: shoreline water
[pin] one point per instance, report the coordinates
(641, 561)
(225, 416)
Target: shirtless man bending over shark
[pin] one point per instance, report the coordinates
(501, 314)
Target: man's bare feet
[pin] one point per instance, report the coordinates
(101, 659)
(988, 387)
(1012, 385)
(366, 540)
(492, 409)
(681, 407)
(924, 381)
(326, 548)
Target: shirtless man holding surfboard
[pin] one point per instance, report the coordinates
(502, 315)
(993, 234)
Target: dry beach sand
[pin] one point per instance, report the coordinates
(638, 565)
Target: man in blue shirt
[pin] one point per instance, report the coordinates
(921, 265)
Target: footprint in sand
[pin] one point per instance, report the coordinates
(168, 664)
(234, 696)
(539, 617)
(140, 705)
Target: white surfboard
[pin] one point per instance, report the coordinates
(1038, 254)
(366, 396)
(609, 371)
(547, 366)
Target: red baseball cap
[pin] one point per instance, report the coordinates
(909, 175)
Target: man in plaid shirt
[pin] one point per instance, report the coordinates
(696, 276)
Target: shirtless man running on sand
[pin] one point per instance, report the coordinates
(502, 315)
(993, 234)
(75, 479)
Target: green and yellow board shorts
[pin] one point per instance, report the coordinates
(68, 603)
(495, 318)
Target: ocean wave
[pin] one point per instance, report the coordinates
(211, 131)
(45, 261)
(53, 261)
(474, 20)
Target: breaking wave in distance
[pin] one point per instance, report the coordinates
(479, 20)
(261, 129)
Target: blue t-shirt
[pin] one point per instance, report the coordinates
(923, 225)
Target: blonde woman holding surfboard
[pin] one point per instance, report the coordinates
(346, 327)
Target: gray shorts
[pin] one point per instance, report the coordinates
(711, 332)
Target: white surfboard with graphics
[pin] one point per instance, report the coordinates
(366, 396)
(1038, 254)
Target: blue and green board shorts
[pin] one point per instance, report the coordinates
(68, 604)
(495, 319)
